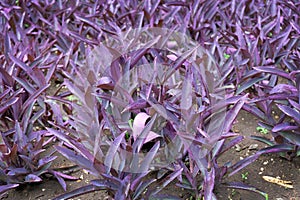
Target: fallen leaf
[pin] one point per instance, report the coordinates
(287, 184)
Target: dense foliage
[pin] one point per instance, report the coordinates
(143, 94)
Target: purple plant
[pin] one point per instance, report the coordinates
(143, 118)
(284, 99)
(23, 140)
(264, 48)
(142, 103)
(28, 63)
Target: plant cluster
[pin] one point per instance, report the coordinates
(143, 94)
(28, 64)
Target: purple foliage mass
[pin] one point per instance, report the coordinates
(143, 94)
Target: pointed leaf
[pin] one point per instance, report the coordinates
(4, 188)
(232, 113)
(249, 84)
(78, 159)
(273, 70)
(145, 164)
(209, 184)
(114, 147)
(276, 149)
(77, 192)
(242, 164)
(31, 178)
(242, 186)
(284, 127)
(262, 139)
(290, 112)
(167, 181)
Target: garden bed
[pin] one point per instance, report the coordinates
(271, 165)
(149, 99)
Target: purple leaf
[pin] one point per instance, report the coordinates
(279, 96)
(105, 83)
(36, 75)
(232, 113)
(276, 149)
(70, 141)
(61, 182)
(167, 181)
(145, 164)
(263, 139)
(21, 138)
(255, 111)
(209, 184)
(284, 127)
(78, 192)
(161, 110)
(143, 185)
(249, 84)
(293, 103)
(136, 105)
(105, 184)
(186, 97)
(283, 88)
(178, 62)
(78, 159)
(116, 131)
(17, 171)
(143, 50)
(242, 164)
(4, 188)
(7, 104)
(137, 145)
(46, 160)
(222, 104)
(290, 112)
(34, 96)
(139, 123)
(63, 175)
(114, 147)
(25, 84)
(272, 70)
(242, 186)
(230, 144)
(31, 178)
(4, 93)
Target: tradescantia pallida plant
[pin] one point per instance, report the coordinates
(23, 140)
(147, 114)
(267, 68)
(140, 112)
(28, 63)
(284, 99)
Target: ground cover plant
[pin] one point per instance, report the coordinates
(143, 94)
(187, 136)
(23, 116)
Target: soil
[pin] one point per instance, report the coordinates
(267, 165)
(271, 165)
